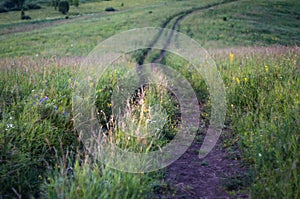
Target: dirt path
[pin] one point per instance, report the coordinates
(194, 178)
(38, 25)
(189, 176)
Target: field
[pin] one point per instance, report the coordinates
(255, 47)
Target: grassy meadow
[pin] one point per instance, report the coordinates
(255, 45)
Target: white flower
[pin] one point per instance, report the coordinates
(9, 126)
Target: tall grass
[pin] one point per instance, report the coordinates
(263, 110)
(35, 122)
(41, 155)
(262, 85)
(41, 151)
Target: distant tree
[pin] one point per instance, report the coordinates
(55, 3)
(76, 3)
(19, 3)
(63, 7)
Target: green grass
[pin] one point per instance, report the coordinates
(38, 141)
(47, 13)
(263, 110)
(262, 86)
(82, 35)
(246, 23)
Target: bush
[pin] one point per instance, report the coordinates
(76, 3)
(8, 5)
(110, 9)
(63, 7)
(32, 6)
(12, 5)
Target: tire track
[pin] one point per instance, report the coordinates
(179, 17)
(187, 178)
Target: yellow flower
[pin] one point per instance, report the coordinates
(246, 79)
(109, 104)
(231, 57)
(238, 80)
(266, 68)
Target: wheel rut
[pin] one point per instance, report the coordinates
(189, 176)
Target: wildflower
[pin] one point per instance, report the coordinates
(231, 57)
(44, 99)
(232, 106)
(259, 154)
(66, 112)
(246, 79)
(109, 104)
(9, 126)
(266, 68)
(238, 80)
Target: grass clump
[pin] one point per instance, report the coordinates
(88, 180)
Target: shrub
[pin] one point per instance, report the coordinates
(63, 7)
(110, 9)
(76, 3)
(55, 3)
(12, 5)
(32, 6)
(9, 5)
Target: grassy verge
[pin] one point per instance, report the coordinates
(263, 111)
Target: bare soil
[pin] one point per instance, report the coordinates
(209, 178)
